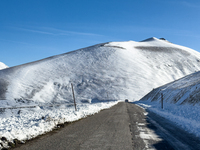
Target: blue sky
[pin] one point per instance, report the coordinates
(34, 29)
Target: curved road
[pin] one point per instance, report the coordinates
(125, 126)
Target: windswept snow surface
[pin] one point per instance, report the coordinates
(2, 66)
(109, 71)
(180, 101)
(115, 70)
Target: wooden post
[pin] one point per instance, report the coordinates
(73, 97)
(162, 100)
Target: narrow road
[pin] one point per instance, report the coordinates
(125, 126)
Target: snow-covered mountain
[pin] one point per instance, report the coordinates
(2, 66)
(114, 70)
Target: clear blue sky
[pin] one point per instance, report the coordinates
(34, 29)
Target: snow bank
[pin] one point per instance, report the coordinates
(185, 116)
(28, 123)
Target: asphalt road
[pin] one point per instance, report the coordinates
(125, 126)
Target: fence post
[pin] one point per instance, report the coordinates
(73, 97)
(162, 100)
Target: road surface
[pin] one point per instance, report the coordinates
(125, 126)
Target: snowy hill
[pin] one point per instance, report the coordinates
(183, 91)
(2, 66)
(115, 70)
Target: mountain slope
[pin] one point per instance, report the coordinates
(115, 70)
(183, 91)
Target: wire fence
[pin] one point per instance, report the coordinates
(51, 105)
(46, 105)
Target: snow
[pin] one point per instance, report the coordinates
(147, 135)
(101, 75)
(185, 91)
(31, 122)
(2, 66)
(185, 116)
(181, 102)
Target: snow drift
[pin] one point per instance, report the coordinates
(108, 71)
